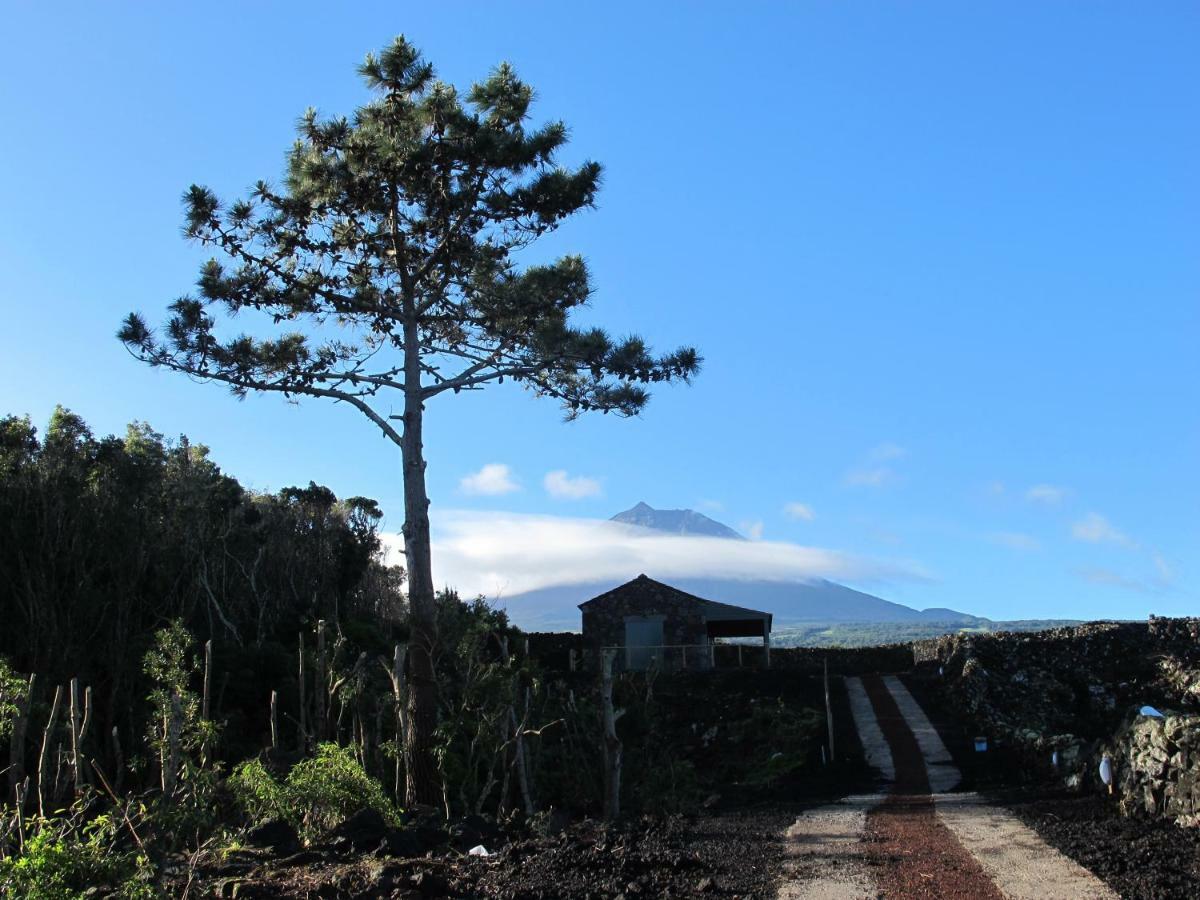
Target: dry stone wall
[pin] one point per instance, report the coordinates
(1158, 767)
(1060, 699)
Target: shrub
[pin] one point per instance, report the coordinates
(61, 861)
(318, 794)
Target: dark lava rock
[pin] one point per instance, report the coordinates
(277, 836)
(472, 830)
(363, 832)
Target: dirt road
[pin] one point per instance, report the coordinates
(917, 838)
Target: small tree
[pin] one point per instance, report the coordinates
(392, 238)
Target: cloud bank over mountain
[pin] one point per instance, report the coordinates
(501, 554)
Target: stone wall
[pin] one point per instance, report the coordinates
(1157, 762)
(1078, 691)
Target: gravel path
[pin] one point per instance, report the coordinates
(920, 841)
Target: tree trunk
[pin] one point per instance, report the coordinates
(422, 783)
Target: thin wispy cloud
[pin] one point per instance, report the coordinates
(492, 480)
(887, 451)
(509, 553)
(801, 512)
(876, 476)
(1096, 529)
(1047, 494)
(561, 486)
(1109, 578)
(875, 470)
(753, 530)
(1015, 540)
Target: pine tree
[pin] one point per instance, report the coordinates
(385, 267)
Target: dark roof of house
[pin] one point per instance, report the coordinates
(713, 611)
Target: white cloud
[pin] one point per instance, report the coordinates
(1049, 494)
(1014, 540)
(874, 472)
(887, 451)
(491, 480)
(1165, 573)
(754, 530)
(876, 476)
(1095, 529)
(1109, 578)
(562, 486)
(799, 511)
(510, 553)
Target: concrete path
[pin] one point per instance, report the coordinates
(825, 853)
(827, 856)
(875, 746)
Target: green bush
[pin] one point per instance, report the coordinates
(61, 861)
(318, 794)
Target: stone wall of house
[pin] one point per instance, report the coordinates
(604, 622)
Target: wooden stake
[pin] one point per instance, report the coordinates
(319, 684)
(76, 719)
(174, 729)
(303, 704)
(612, 743)
(44, 758)
(274, 721)
(118, 758)
(828, 711)
(16, 748)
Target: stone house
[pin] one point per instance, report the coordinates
(647, 621)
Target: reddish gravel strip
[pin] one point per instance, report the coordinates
(915, 855)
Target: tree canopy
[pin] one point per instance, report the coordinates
(385, 265)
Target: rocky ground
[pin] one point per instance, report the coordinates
(734, 854)
(733, 841)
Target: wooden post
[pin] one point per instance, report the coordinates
(828, 711)
(319, 684)
(118, 759)
(571, 658)
(206, 701)
(612, 744)
(527, 648)
(16, 749)
(739, 656)
(170, 774)
(206, 697)
(712, 653)
(683, 656)
(303, 704)
(44, 758)
(274, 721)
(76, 720)
(767, 643)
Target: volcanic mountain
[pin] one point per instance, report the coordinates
(792, 602)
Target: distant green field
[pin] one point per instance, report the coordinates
(867, 634)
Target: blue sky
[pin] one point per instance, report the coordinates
(941, 260)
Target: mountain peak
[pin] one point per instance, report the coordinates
(675, 521)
